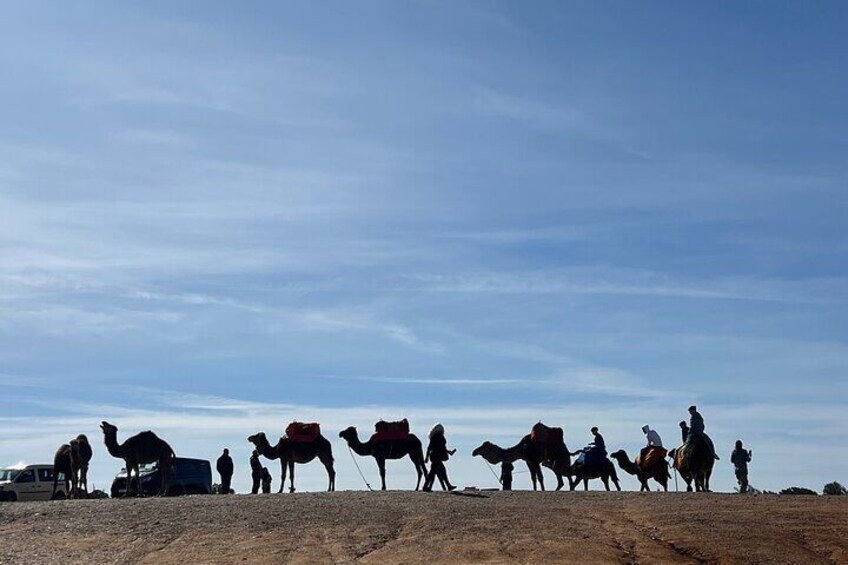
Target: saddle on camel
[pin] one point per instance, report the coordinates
(303, 432)
(546, 435)
(390, 431)
(650, 455)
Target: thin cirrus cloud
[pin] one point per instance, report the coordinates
(385, 216)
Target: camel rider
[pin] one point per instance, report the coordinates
(596, 451)
(684, 430)
(696, 430)
(654, 440)
(740, 459)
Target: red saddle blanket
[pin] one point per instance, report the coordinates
(389, 431)
(653, 455)
(301, 431)
(545, 434)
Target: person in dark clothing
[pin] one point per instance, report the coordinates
(255, 471)
(740, 459)
(696, 430)
(595, 452)
(225, 469)
(266, 481)
(684, 431)
(506, 475)
(437, 454)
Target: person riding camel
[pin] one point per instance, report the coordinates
(696, 430)
(595, 452)
(684, 430)
(654, 440)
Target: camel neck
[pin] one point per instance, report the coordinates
(357, 446)
(112, 446)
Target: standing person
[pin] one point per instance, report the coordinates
(437, 454)
(654, 440)
(740, 459)
(255, 471)
(266, 481)
(506, 475)
(225, 469)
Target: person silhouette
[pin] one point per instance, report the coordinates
(437, 454)
(255, 471)
(266, 481)
(225, 469)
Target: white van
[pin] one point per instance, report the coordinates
(30, 482)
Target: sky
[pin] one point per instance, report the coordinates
(217, 219)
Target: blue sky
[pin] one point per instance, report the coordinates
(215, 220)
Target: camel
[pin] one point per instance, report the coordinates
(144, 447)
(695, 465)
(80, 455)
(658, 471)
(62, 465)
(605, 472)
(389, 449)
(534, 454)
(291, 452)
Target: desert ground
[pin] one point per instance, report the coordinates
(415, 527)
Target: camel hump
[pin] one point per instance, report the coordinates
(546, 434)
(303, 431)
(391, 431)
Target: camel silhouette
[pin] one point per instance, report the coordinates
(80, 456)
(657, 471)
(62, 465)
(695, 465)
(605, 471)
(535, 454)
(388, 449)
(144, 447)
(291, 452)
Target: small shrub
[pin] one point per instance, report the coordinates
(798, 490)
(834, 489)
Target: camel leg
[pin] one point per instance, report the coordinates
(331, 472)
(74, 483)
(605, 480)
(291, 472)
(84, 480)
(381, 464)
(282, 475)
(586, 483)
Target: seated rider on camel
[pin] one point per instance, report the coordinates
(595, 452)
(654, 440)
(696, 431)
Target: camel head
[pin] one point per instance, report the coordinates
(620, 455)
(488, 451)
(257, 438)
(348, 433)
(108, 428)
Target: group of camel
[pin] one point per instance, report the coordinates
(694, 465)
